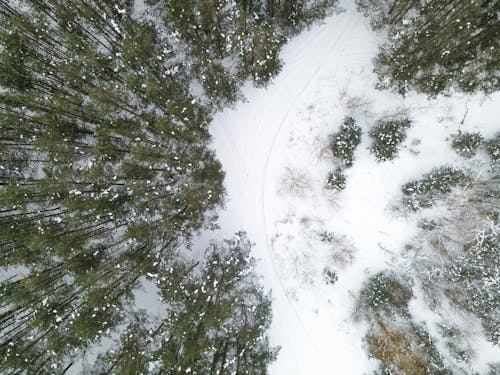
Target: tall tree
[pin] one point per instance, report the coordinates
(216, 321)
(435, 46)
(105, 166)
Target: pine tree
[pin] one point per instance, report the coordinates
(436, 46)
(99, 178)
(105, 170)
(216, 323)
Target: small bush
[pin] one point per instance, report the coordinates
(345, 141)
(466, 144)
(343, 257)
(492, 147)
(387, 136)
(294, 182)
(326, 236)
(330, 276)
(336, 180)
(424, 192)
(384, 292)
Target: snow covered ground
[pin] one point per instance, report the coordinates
(274, 150)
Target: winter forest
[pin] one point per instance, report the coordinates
(229, 187)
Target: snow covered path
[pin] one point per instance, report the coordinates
(246, 139)
(274, 150)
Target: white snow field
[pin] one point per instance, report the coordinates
(274, 150)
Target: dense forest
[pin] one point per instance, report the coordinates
(435, 46)
(105, 174)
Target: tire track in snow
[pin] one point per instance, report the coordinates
(265, 186)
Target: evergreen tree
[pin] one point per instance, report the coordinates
(216, 322)
(231, 41)
(105, 166)
(387, 136)
(105, 170)
(438, 45)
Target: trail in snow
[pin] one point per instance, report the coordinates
(244, 139)
(283, 130)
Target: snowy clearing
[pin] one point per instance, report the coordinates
(272, 148)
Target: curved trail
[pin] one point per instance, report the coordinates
(245, 139)
(265, 187)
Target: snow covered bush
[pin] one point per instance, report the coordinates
(424, 192)
(342, 251)
(336, 180)
(457, 263)
(387, 136)
(343, 257)
(384, 292)
(492, 147)
(328, 237)
(355, 104)
(456, 341)
(466, 144)
(494, 368)
(294, 182)
(346, 140)
(330, 276)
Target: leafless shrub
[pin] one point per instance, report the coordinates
(357, 105)
(294, 182)
(343, 257)
(342, 252)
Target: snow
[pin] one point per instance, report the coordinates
(278, 136)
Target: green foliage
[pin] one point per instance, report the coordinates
(387, 136)
(229, 42)
(132, 352)
(220, 87)
(492, 147)
(106, 167)
(336, 180)
(227, 312)
(344, 143)
(384, 293)
(400, 345)
(217, 319)
(260, 58)
(466, 144)
(423, 193)
(105, 170)
(436, 46)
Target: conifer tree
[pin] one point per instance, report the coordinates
(104, 166)
(216, 321)
(435, 46)
(105, 170)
